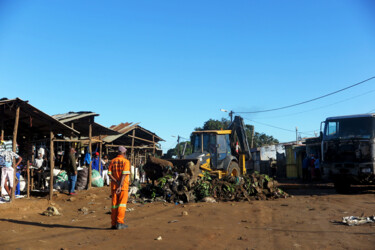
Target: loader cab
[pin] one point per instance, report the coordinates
(215, 144)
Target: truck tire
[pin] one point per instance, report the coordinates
(234, 169)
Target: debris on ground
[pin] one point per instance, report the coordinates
(85, 210)
(208, 200)
(51, 211)
(159, 238)
(183, 185)
(355, 220)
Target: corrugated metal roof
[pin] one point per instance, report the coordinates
(36, 113)
(71, 116)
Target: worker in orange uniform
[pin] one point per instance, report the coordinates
(118, 172)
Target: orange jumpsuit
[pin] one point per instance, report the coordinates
(119, 166)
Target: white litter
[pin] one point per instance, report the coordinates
(355, 220)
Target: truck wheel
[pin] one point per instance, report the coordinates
(342, 186)
(234, 169)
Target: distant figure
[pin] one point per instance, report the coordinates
(318, 174)
(96, 164)
(105, 163)
(305, 168)
(40, 164)
(71, 169)
(312, 166)
(119, 172)
(7, 171)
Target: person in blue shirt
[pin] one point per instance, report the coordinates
(96, 164)
(305, 167)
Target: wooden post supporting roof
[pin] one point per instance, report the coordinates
(153, 141)
(132, 152)
(51, 165)
(28, 179)
(100, 156)
(14, 149)
(90, 152)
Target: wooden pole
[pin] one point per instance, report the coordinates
(28, 179)
(14, 148)
(153, 142)
(51, 165)
(100, 156)
(90, 152)
(132, 153)
(2, 123)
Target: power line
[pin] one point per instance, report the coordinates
(269, 125)
(311, 100)
(325, 106)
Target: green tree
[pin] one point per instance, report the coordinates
(212, 124)
(173, 152)
(255, 139)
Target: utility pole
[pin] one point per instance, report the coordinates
(231, 115)
(178, 147)
(297, 135)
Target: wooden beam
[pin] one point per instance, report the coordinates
(132, 136)
(28, 179)
(2, 123)
(153, 139)
(90, 152)
(132, 148)
(51, 165)
(77, 140)
(137, 147)
(100, 157)
(14, 148)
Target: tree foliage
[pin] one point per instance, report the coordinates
(258, 140)
(173, 152)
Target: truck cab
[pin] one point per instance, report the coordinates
(348, 149)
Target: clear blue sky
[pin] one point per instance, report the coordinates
(171, 65)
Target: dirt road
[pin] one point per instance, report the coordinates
(301, 222)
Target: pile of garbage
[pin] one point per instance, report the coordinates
(174, 185)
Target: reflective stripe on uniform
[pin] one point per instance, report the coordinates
(125, 172)
(114, 207)
(122, 205)
(109, 172)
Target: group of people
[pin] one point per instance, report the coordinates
(118, 171)
(311, 169)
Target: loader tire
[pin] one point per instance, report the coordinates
(234, 169)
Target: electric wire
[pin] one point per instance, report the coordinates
(288, 130)
(321, 107)
(311, 100)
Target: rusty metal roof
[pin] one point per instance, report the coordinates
(30, 118)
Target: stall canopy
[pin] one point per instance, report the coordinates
(81, 121)
(32, 121)
(128, 131)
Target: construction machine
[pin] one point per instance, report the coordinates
(219, 152)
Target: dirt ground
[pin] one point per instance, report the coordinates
(304, 221)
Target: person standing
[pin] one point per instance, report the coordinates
(71, 169)
(105, 163)
(305, 167)
(317, 169)
(118, 172)
(40, 164)
(7, 171)
(96, 164)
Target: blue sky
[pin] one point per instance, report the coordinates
(171, 65)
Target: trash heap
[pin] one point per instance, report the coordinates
(174, 185)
